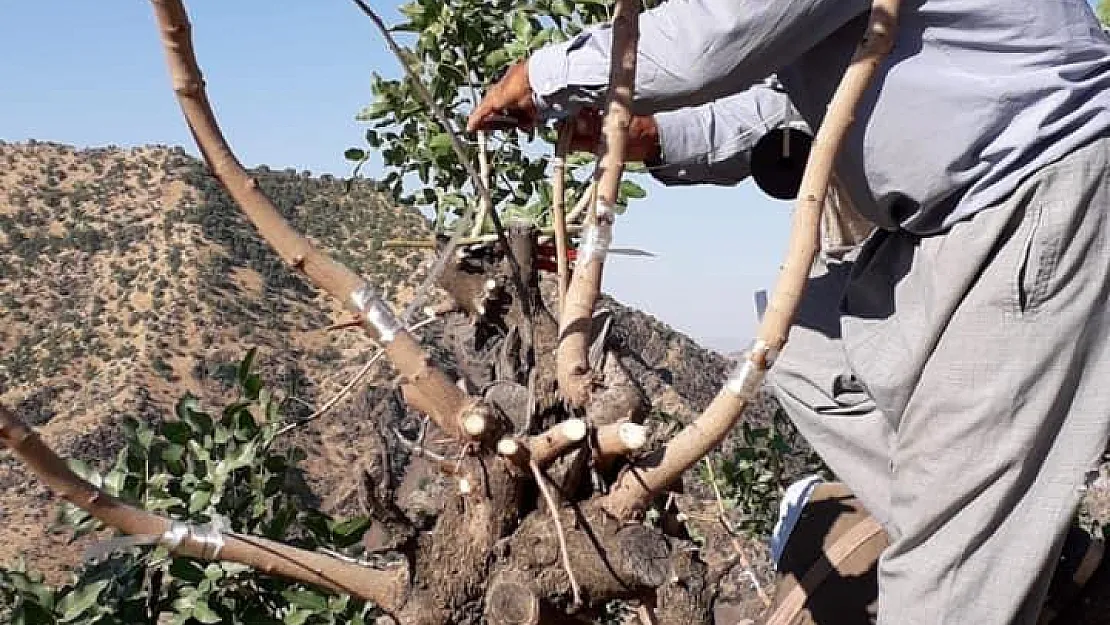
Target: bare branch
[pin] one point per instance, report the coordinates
(541, 483)
(427, 388)
(589, 195)
(486, 200)
(388, 589)
(346, 390)
(558, 210)
(722, 516)
(572, 362)
(637, 486)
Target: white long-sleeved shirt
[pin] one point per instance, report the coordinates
(975, 96)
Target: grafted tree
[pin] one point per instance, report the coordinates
(543, 525)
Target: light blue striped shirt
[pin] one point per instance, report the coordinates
(975, 96)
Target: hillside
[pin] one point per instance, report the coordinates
(127, 278)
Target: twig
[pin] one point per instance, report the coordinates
(589, 196)
(723, 518)
(558, 208)
(484, 206)
(416, 449)
(560, 534)
(343, 392)
(483, 157)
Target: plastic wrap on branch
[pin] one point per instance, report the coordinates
(387, 588)
(376, 314)
(638, 485)
(427, 389)
(572, 359)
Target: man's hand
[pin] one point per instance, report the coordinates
(511, 100)
(510, 97)
(643, 136)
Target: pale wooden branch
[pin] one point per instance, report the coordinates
(558, 209)
(637, 486)
(572, 359)
(427, 389)
(387, 588)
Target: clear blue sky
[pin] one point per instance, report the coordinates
(286, 79)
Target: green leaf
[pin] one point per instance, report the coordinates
(632, 190)
(307, 599)
(522, 27)
(440, 144)
(252, 386)
(176, 432)
(186, 570)
(199, 501)
(355, 154)
(186, 406)
(297, 617)
(349, 532)
(245, 366)
(81, 599)
(204, 613)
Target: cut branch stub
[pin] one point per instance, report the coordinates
(638, 485)
(617, 440)
(387, 588)
(428, 389)
(572, 361)
(548, 446)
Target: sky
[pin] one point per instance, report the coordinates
(286, 80)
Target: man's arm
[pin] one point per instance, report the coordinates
(690, 52)
(712, 143)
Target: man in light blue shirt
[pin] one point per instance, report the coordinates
(953, 372)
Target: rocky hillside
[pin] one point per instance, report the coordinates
(127, 278)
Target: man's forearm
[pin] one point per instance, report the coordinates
(712, 143)
(691, 52)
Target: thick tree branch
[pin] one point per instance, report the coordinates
(427, 389)
(387, 588)
(572, 360)
(637, 486)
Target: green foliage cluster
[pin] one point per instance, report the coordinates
(459, 47)
(199, 467)
(756, 467)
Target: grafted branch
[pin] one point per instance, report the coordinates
(386, 588)
(637, 486)
(425, 387)
(572, 363)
